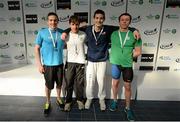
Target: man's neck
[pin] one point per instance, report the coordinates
(97, 28)
(123, 29)
(74, 32)
(52, 29)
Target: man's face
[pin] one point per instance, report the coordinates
(98, 20)
(124, 22)
(74, 27)
(52, 22)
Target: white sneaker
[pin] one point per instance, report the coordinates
(88, 103)
(102, 105)
(80, 105)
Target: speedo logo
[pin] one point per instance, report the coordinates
(117, 3)
(46, 5)
(64, 19)
(4, 46)
(136, 19)
(151, 32)
(167, 46)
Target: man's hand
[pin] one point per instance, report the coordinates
(137, 35)
(64, 36)
(41, 69)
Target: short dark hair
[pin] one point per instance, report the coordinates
(52, 14)
(99, 11)
(125, 14)
(74, 19)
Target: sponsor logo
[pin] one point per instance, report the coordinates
(19, 57)
(98, 3)
(176, 69)
(31, 44)
(117, 3)
(31, 32)
(2, 19)
(44, 18)
(18, 44)
(147, 57)
(16, 32)
(113, 17)
(31, 5)
(1, 5)
(81, 3)
(162, 68)
(173, 31)
(165, 58)
(178, 60)
(146, 68)
(140, 2)
(63, 4)
(4, 56)
(155, 1)
(173, 4)
(150, 16)
(15, 19)
(172, 16)
(4, 46)
(148, 44)
(64, 19)
(5, 32)
(136, 19)
(166, 46)
(46, 5)
(150, 32)
(13, 5)
(83, 16)
(32, 18)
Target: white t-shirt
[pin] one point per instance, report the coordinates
(76, 47)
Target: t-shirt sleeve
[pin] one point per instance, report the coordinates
(39, 39)
(138, 43)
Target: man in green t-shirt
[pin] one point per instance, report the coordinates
(124, 47)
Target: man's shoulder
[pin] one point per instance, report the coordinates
(82, 33)
(60, 30)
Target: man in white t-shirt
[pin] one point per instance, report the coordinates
(75, 66)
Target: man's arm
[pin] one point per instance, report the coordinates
(135, 33)
(38, 59)
(137, 52)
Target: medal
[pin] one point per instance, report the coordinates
(54, 41)
(120, 39)
(98, 35)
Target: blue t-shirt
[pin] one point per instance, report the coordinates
(50, 55)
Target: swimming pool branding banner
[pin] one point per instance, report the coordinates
(12, 42)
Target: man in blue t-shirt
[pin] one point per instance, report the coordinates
(49, 58)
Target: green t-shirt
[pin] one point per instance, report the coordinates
(123, 56)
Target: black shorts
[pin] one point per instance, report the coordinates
(53, 74)
(127, 73)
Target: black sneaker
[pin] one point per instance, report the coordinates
(47, 109)
(60, 103)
